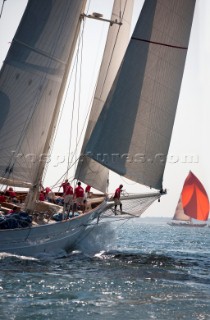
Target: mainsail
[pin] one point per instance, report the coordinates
(31, 86)
(133, 132)
(179, 212)
(88, 170)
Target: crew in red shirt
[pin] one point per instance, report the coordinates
(79, 195)
(47, 190)
(14, 210)
(2, 197)
(41, 196)
(117, 198)
(11, 193)
(87, 191)
(64, 185)
(68, 198)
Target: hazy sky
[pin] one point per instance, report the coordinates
(191, 130)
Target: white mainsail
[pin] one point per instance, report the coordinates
(32, 81)
(32, 85)
(134, 129)
(88, 170)
(179, 212)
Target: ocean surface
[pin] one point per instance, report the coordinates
(127, 269)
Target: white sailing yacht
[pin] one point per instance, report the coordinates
(132, 116)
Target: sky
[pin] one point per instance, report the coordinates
(189, 149)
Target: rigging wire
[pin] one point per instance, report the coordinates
(73, 108)
(78, 138)
(2, 8)
(79, 52)
(121, 14)
(80, 78)
(61, 113)
(89, 109)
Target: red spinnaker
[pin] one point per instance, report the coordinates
(195, 200)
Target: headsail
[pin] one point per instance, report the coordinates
(31, 83)
(88, 170)
(134, 129)
(195, 200)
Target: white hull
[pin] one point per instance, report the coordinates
(50, 238)
(55, 237)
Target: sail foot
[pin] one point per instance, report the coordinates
(133, 205)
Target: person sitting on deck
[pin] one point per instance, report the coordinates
(2, 197)
(14, 210)
(47, 190)
(49, 195)
(79, 196)
(117, 198)
(42, 196)
(12, 195)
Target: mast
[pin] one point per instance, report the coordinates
(88, 170)
(33, 193)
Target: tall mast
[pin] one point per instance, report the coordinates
(33, 192)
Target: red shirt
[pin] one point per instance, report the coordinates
(12, 194)
(3, 198)
(8, 192)
(69, 190)
(41, 196)
(117, 193)
(47, 190)
(64, 185)
(87, 189)
(79, 192)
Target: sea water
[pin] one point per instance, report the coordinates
(126, 269)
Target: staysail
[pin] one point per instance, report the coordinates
(194, 198)
(31, 85)
(88, 170)
(134, 129)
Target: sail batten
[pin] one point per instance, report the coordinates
(43, 53)
(159, 43)
(134, 129)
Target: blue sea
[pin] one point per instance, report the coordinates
(139, 268)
